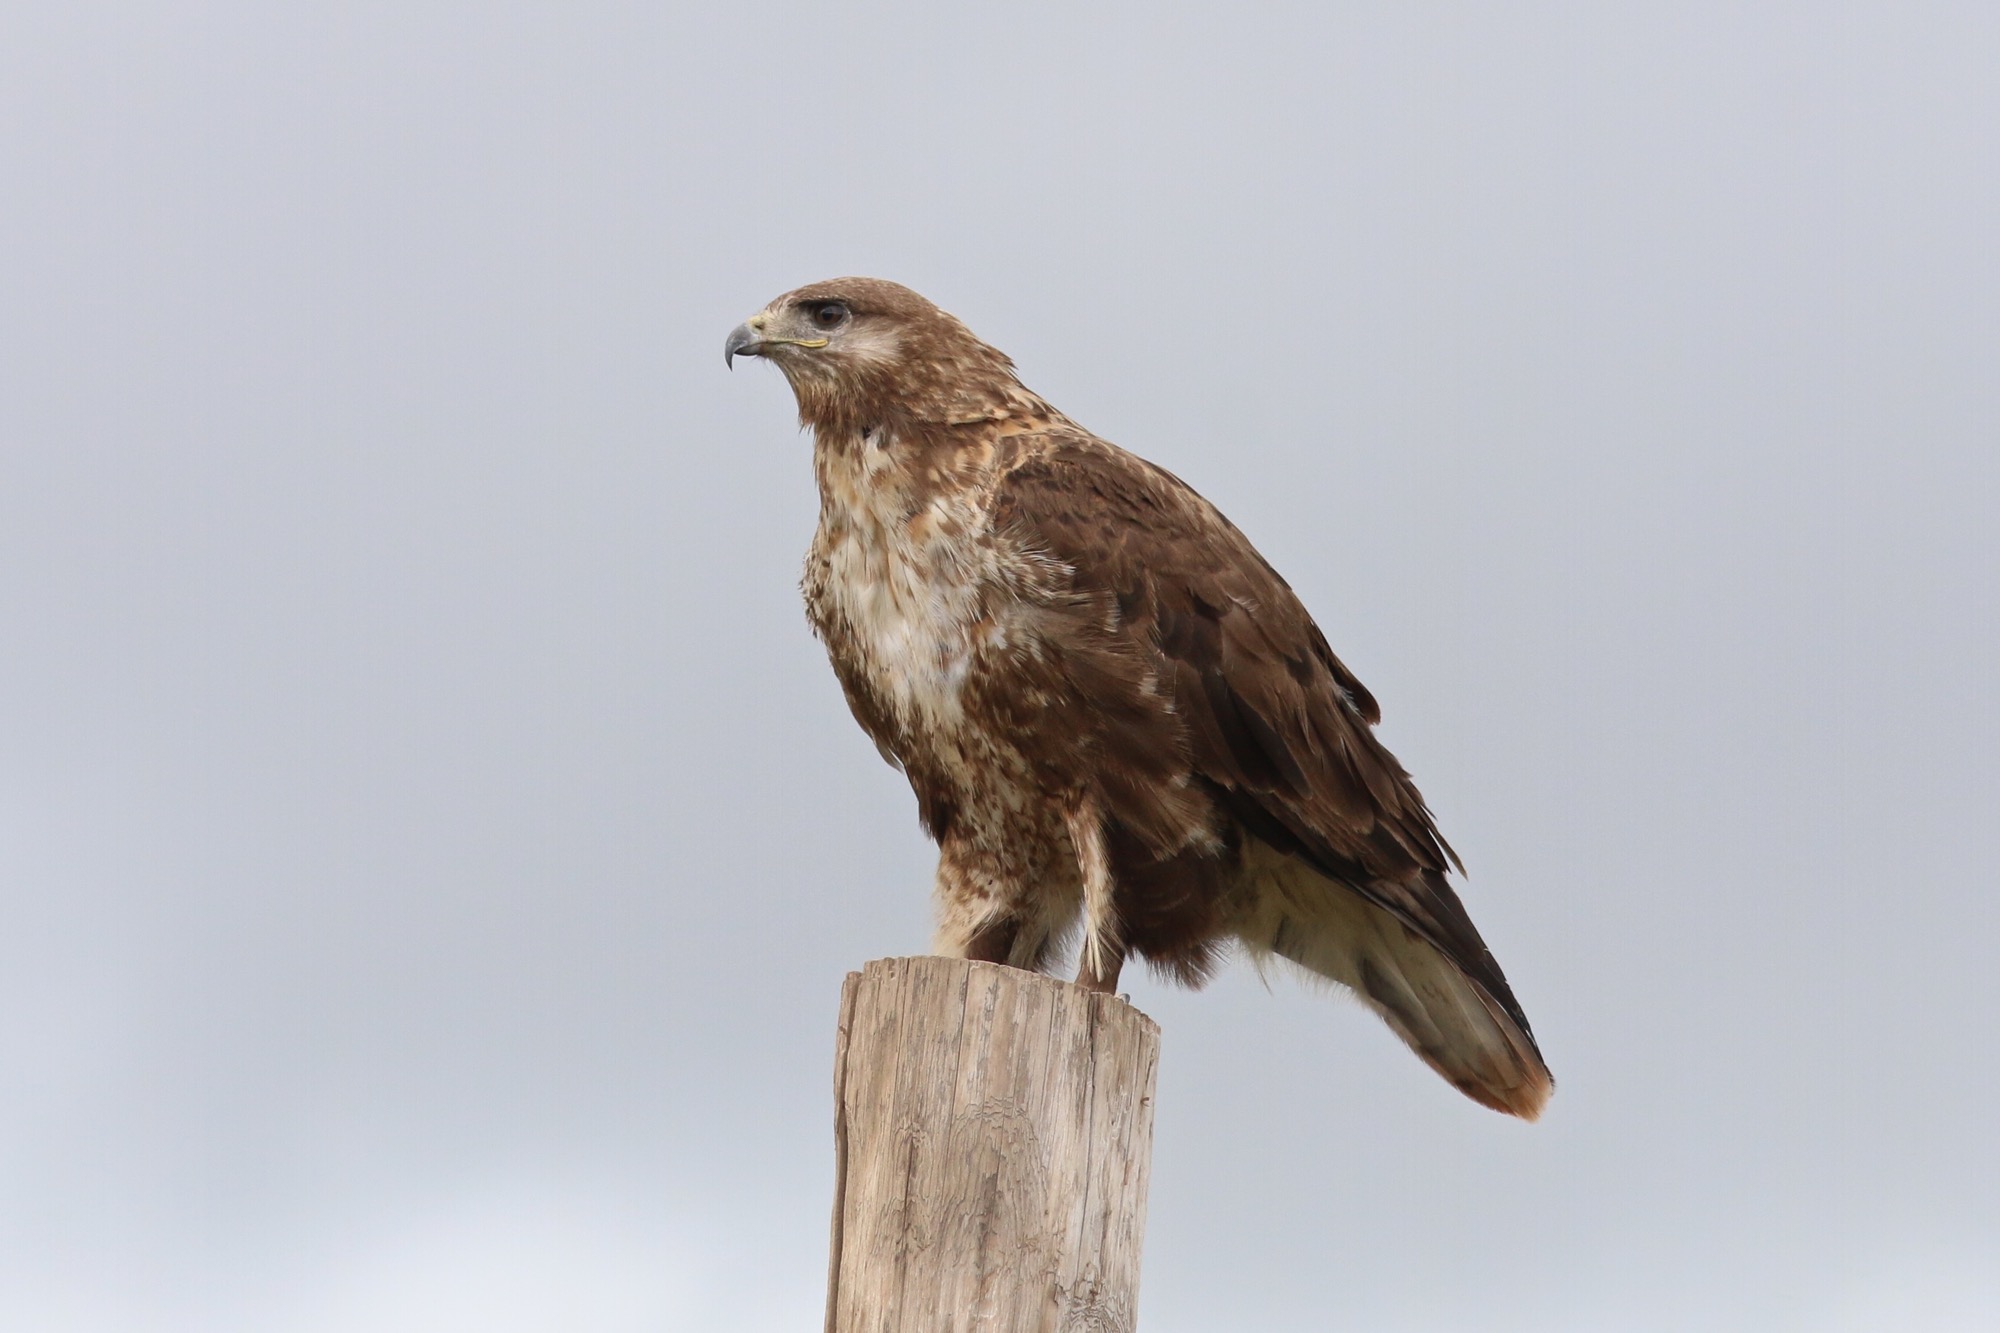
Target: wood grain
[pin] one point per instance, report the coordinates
(993, 1132)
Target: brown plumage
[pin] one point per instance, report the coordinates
(1109, 706)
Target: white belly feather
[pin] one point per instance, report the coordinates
(911, 610)
(905, 590)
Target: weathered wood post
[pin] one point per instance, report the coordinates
(993, 1129)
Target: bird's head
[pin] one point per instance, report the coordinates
(867, 351)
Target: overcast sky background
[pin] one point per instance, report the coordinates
(431, 842)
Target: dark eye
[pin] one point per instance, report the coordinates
(829, 314)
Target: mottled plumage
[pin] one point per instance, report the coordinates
(1112, 710)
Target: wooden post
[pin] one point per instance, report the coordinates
(992, 1131)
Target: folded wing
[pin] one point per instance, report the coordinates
(1343, 872)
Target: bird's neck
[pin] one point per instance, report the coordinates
(867, 474)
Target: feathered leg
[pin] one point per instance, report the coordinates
(994, 941)
(1103, 953)
(981, 917)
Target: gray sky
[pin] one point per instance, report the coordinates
(430, 841)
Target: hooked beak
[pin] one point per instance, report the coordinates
(743, 341)
(749, 339)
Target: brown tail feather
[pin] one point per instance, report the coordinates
(1291, 911)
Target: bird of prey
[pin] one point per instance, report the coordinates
(1111, 708)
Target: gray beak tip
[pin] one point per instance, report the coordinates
(743, 341)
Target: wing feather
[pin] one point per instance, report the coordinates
(1276, 728)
